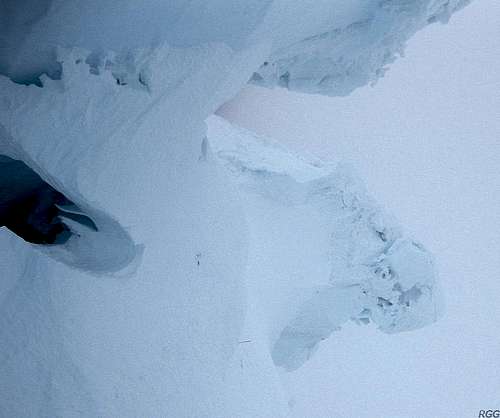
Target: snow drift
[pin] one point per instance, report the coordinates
(138, 340)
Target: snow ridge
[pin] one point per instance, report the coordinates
(341, 59)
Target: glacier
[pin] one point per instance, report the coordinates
(220, 259)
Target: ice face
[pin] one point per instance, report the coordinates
(320, 46)
(28, 205)
(332, 255)
(354, 50)
(405, 287)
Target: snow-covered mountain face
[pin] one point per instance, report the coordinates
(144, 316)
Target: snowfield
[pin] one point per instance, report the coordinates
(221, 259)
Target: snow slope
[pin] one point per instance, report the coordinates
(138, 342)
(146, 316)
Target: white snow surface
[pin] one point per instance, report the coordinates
(196, 286)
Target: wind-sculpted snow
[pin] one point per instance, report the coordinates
(131, 319)
(314, 46)
(335, 255)
(31, 31)
(147, 314)
(344, 57)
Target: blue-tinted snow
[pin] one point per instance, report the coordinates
(118, 125)
(321, 251)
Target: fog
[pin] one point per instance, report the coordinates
(426, 141)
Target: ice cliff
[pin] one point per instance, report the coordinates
(321, 251)
(217, 256)
(354, 51)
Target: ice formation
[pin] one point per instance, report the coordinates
(153, 312)
(352, 52)
(331, 256)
